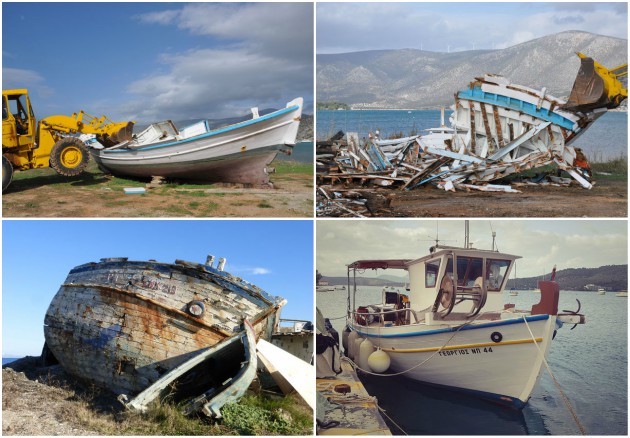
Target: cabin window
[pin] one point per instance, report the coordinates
(495, 273)
(431, 273)
(468, 270)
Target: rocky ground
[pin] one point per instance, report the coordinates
(608, 198)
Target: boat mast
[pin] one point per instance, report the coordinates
(466, 234)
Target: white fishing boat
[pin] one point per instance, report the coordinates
(601, 291)
(513, 293)
(623, 294)
(238, 153)
(452, 328)
(323, 288)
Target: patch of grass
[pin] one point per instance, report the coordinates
(264, 204)
(31, 205)
(195, 193)
(193, 204)
(616, 166)
(286, 167)
(265, 416)
(178, 210)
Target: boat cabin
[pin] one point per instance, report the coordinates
(449, 281)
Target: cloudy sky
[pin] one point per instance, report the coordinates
(155, 61)
(565, 243)
(444, 26)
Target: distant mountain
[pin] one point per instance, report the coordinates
(410, 78)
(382, 280)
(610, 277)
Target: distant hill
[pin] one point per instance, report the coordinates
(383, 280)
(410, 78)
(610, 277)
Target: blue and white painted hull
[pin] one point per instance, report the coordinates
(237, 153)
(497, 360)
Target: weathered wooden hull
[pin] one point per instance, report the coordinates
(237, 153)
(125, 324)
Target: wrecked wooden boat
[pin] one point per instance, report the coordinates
(451, 328)
(238, 153)
(184, 330)
(497, 129)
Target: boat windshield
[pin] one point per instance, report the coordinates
(470, 269)
(495, 273)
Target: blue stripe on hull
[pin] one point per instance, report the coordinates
(453, 329)
(478, 95)
(209, 134)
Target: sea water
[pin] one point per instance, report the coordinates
(590, 363)
(302, 152)
(606, 138)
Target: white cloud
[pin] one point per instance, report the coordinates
(435, 27)
(20, 78)
(260, 271)
(542, 244)
(159, 17)
(263, 57)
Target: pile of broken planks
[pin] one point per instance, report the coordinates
(405, 164)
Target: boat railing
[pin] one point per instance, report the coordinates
(384, 312)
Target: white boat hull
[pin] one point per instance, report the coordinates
(237, 153)
(470, 360)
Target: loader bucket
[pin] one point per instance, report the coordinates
(594, 87)
(124, 133)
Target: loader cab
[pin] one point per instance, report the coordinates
(18, 119)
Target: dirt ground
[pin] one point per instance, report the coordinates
(608, 198)
(43, 193)
(31, 406)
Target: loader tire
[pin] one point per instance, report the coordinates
(69, 156)
(7, 173)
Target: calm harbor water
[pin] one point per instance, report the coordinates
(606, 138)
(302, 152)
(590, 363)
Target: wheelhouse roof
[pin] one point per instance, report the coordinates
(436, 251)
(380, 264)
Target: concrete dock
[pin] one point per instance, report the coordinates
(352, 409)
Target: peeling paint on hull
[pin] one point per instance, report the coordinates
(122, 325)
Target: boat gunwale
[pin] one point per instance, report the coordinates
(218, 131)
(186, 268)
(466, 326)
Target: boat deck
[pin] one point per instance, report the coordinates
(356, 412)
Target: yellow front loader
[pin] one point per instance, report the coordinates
(52, 142)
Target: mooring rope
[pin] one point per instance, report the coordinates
(390, 419)
(564, 397)
(355, 366)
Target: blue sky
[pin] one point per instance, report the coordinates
(456, 26)
(37, 256)
(154, 61)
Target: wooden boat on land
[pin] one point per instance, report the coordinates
(452, 328)
(186, 330)
(237, 153)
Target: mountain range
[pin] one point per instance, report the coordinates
(410, 78)
(610, 277)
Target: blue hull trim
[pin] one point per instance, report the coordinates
(210, 134)
(478, 95)
(453, 329)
